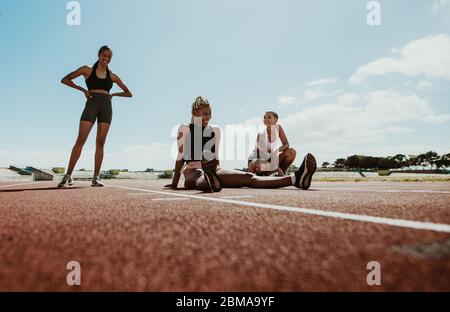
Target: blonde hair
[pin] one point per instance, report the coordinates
(199, 102)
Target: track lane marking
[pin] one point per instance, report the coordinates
(169, 199)
(429, 226)
(237, 196)
(378, 191)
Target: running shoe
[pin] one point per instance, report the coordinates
(303, 175)
(96, 182)
(210, 173)
(66, 181)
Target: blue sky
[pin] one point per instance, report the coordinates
(339, 85)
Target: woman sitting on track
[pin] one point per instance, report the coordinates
(272, 154)
(198, 145)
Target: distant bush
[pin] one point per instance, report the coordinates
(114, 171)
(384, 173)
(106, 175)
(166, 174)
(124, 170)
(82, 169)
(59, 170)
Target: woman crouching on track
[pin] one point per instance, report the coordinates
(198, 145)
(99, 80)
(271, 145)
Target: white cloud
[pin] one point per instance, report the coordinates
(352, 123)
(428, 56)
(390, 106)
(424, 85)
(312, 94)
(322, 82)
(156, 156)
(348, 98)
(355, 122)
(439, 5)
(286, 100)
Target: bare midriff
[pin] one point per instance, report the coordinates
(99, 91)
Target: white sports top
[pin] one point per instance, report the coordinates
(265, 146)
(271, 146)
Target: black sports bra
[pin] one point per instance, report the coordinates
(95, 83)
(190, 154)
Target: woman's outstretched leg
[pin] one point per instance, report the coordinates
(102, 132)
(234, 179)
(83, 133)
(195, 180)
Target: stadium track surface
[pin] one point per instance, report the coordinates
(136, 236)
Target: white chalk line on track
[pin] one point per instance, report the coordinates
(379, 191)
(169, 199)
(237, 196)
(157, 199)
(437, 227)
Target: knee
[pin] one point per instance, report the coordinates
(291, 154)
(255, 166)
(100, 143)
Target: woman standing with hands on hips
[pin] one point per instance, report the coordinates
(99, 80)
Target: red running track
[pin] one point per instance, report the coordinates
(137, 236)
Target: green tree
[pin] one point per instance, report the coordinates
(352, 162)
(443, 161)
(400, 160)
(430, 158)
(339, 163)
(412, 161)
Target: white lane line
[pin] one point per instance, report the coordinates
(157, 199)
(169, 199)
(18, 184)
(237, 196)
(437, 227)
(378, 191)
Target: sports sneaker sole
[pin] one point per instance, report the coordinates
(310, 168)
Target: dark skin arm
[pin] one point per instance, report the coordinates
(178, 164)
(82, 71)
(176, 175)
(284, 140)
(126, 92)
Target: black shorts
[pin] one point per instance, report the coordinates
(98, 108)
